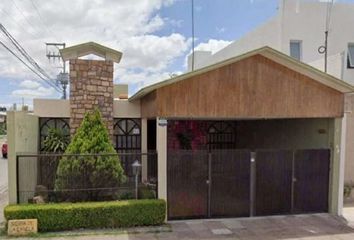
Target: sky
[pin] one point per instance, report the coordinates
(155, 36)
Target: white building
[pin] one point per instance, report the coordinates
(298, 29)
(300, 25)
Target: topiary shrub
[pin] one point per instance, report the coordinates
(68, 216)
(89, 178)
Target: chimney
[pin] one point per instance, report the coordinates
(91, 82)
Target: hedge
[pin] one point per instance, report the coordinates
(69, 216)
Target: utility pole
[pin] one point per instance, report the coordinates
(63, 77)
(323, 49)
(193, 52)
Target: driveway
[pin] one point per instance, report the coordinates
(316, 226)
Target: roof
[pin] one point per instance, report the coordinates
(84, 49)
(267, 52)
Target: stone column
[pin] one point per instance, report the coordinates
(91, 86)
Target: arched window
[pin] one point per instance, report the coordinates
(127, 134)
(221, 135)
(47, 123)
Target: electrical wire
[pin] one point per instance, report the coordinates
(35, 72)
(41, 18)
(18, 24)
(23, 52)
(23, 15)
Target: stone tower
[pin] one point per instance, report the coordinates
(91, 82)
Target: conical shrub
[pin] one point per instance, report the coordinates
(85, 177)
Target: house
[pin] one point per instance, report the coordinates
(257, 134)
(298, 30)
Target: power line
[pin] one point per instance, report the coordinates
(41, 18)
(23, 52)
(18, 24)
(35, 72)
(23, 15)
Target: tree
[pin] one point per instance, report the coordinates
(87, 177)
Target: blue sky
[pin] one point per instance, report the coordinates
(154, 35)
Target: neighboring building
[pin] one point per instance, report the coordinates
(258, 134)
(3, 120)
(298, 30)
(2, 117)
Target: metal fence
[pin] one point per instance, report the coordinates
(242, 183)
(84, 177)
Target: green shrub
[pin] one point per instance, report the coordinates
(68, 216)
(146, 192)
(56, 141)
(89, 172)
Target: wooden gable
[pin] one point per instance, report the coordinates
(255, 87)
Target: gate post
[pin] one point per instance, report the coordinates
(161, 147)
(209, 184)
(252, 184)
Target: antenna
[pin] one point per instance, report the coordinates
(63, 77)
(323, 49)
(192, 35)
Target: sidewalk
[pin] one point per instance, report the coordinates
(348, 214)
(306, 227)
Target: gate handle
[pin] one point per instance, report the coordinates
(207, 182)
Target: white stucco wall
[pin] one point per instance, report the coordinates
(61, 108)
(22, 132)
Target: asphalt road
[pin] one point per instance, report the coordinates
(3, 183)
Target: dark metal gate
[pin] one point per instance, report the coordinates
(239, 183)
(229, 183)
(187, 184)
(311, 180)
(273, 182)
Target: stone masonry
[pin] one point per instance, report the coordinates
(91, 86)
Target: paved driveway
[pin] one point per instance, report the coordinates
(317, 226)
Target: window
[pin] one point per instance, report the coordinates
(351, 55)
(295, 49)
(47, 123)
(127, 134)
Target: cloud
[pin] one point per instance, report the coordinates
(125, 25)
(143, 78)
(213, 45)
(30, 84)
(220, 29)
(152, 53)
(33, 93)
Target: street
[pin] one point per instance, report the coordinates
(3, 183)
